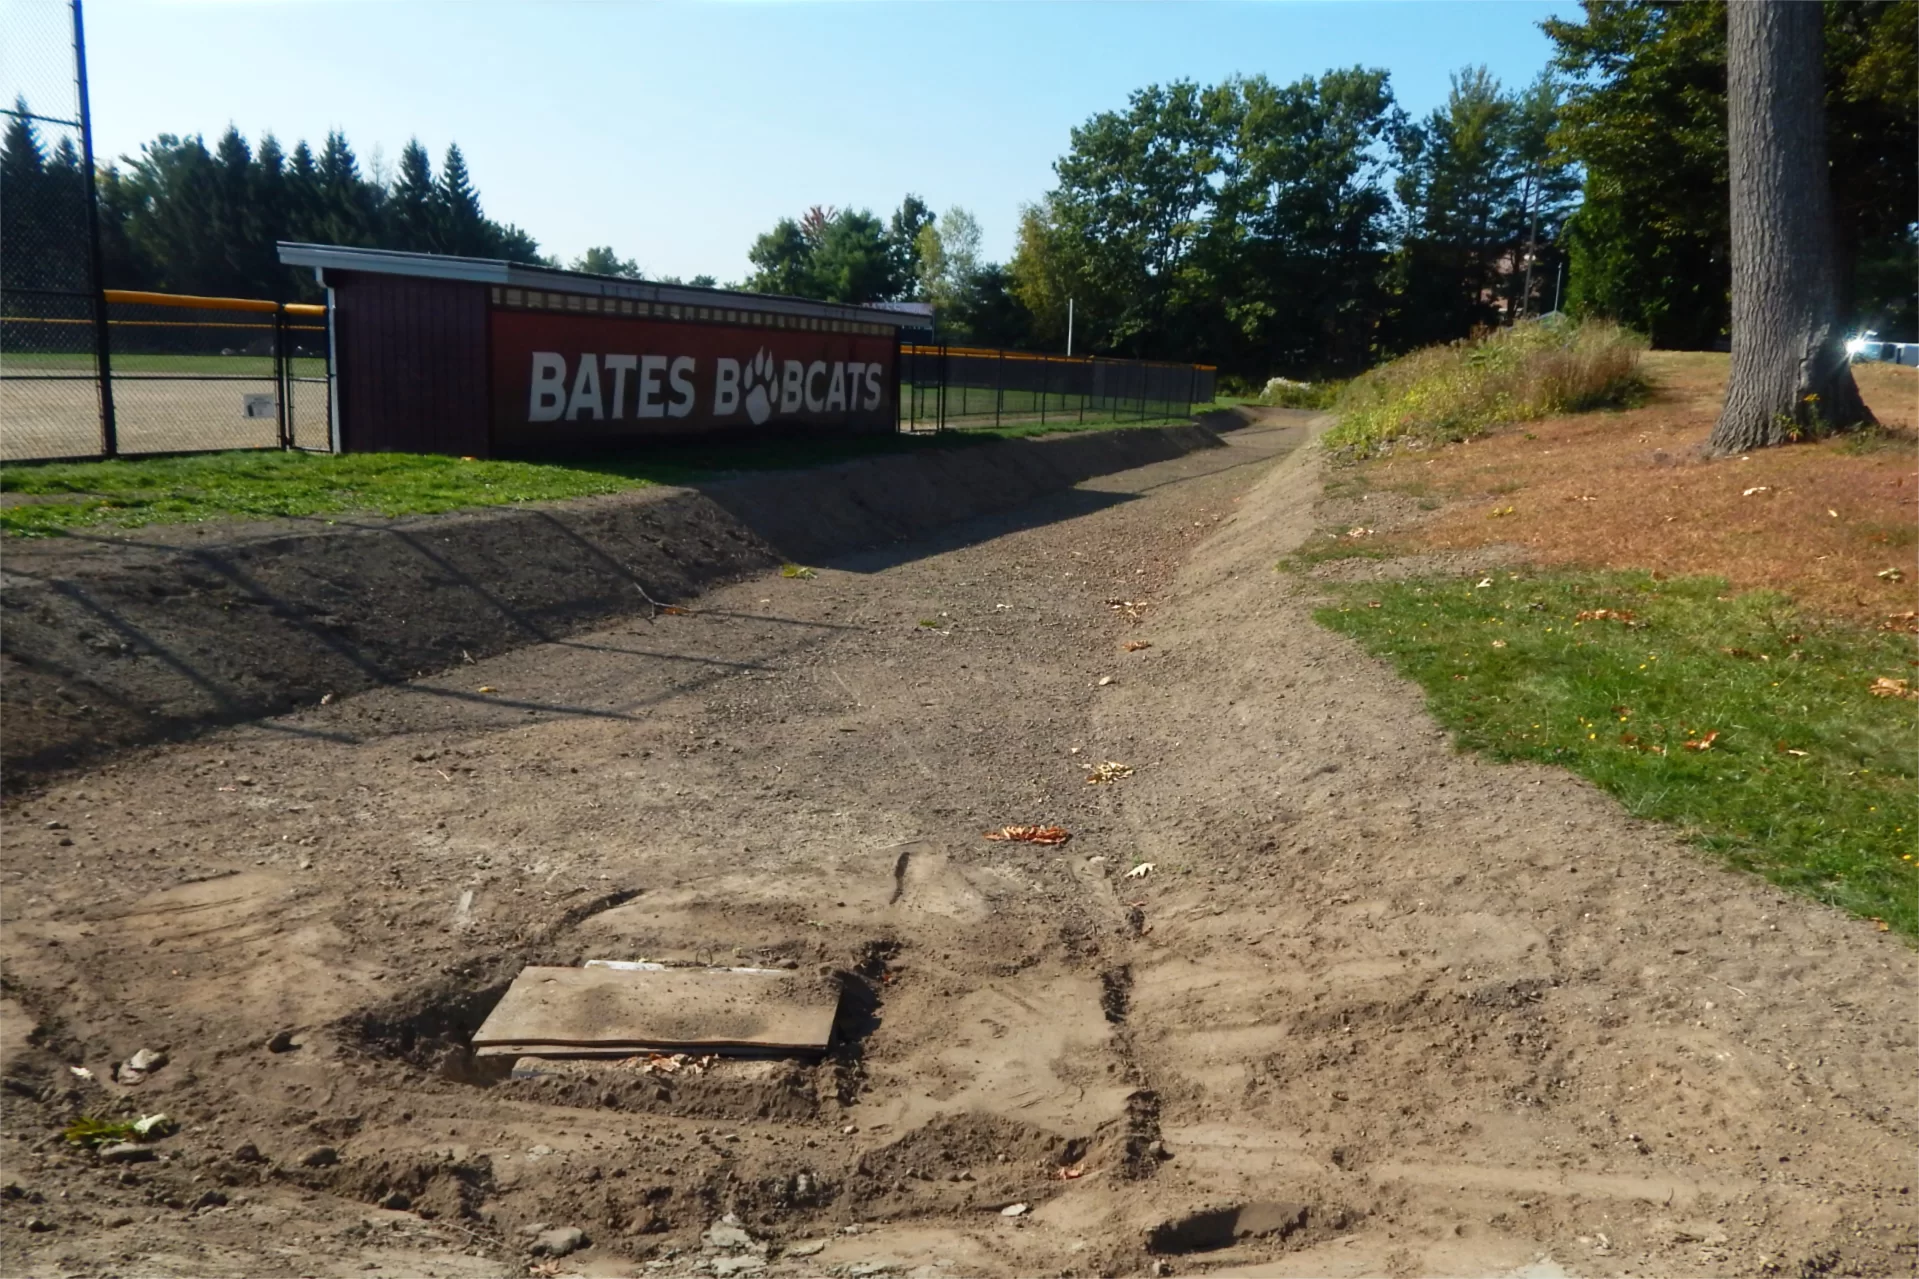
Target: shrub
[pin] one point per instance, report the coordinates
(1454, 392)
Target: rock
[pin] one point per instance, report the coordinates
(559, 1242)
(248, 1153)
(320, 1157)
(1013, 1210)
(744, 1264)
(812, 1248)
(147, 1060)
(127, 1152)
(211, 1199)
(727, 1233)
(398, 1201)
(281, 1041)
(37, 1225)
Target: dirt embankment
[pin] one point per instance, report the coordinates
(116, 640)
(1371, 1006)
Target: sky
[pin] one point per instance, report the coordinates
(678, 132)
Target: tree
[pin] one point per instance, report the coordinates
(602, 260)
(1790, 369)
(413, 204)
(463, 228)
(948, 257)
(852, 261)
(1457, 183)
(903, 232)
(782, 261)
(1645, 118)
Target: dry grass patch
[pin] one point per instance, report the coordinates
(1819, 521)
(1466, 388)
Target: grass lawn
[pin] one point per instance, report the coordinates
(1752, 728)
(1751, 603)
(43, 499)
(25, 363)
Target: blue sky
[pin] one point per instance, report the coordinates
(677, 132)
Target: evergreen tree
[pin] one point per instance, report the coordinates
(412, 206)
(462, 226)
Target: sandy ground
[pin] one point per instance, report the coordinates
(60, 417)
(1408, 1012)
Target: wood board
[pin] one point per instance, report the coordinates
(599, 1010)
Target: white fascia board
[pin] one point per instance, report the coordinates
(434, 266)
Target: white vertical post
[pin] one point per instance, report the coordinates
(1069, 326)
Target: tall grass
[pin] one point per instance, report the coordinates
(1534, 369)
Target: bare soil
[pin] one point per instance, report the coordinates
(1372, 1007)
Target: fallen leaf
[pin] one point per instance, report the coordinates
(326, 699)
(1499, 511)
(674, 610)
(1885, 686)
(1104, 680)
(1374, 604)
(1109, 771)
(1605, 615)
(1134, 646)
(1499, 643)
(1906, 621)
(1483, 583)
(1072, 1172)
(1358, 532)
(1832, 513)
(1757, 488)
(1140, 871)
(1703, 743)
(796, 570)
(1891, 575)
(1031, 834)
(488, 688)
(1883, 926)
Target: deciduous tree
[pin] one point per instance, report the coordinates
(1790, 370)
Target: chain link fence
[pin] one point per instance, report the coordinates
(51, 315)
(952, 387)
(87, 371)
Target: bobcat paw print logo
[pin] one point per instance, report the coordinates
(758, 389)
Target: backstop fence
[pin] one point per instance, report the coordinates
(956, 387)
(173, 374)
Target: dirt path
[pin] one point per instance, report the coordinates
(1410, 1012)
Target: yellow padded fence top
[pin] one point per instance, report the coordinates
(211, 304)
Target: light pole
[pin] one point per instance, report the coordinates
(1069, 326)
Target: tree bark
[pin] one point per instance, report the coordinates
(1790, 372)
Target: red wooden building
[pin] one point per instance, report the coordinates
(482, 358)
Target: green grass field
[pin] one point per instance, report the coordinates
(185, 365)
(1752, 729)
(47, 498)
(969, 405)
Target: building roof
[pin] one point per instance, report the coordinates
(441, 266)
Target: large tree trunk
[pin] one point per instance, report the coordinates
(1790, 373)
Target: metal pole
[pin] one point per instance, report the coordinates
(1045, 365)
(282, 385)
(1084, 384)
(999, 387)
(103, 348)
(1069, 327)
(1559, 283)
